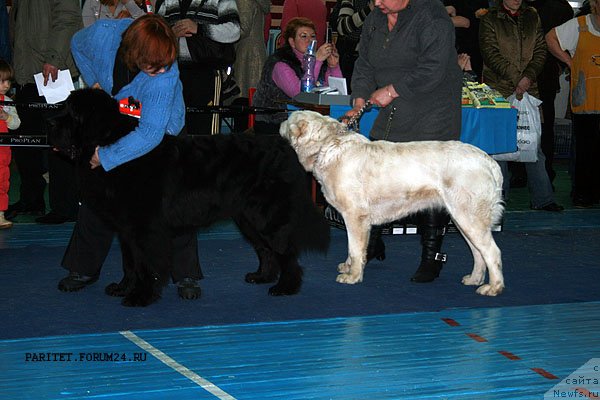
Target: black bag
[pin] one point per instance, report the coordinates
(209, 53)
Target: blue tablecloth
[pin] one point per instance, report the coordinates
(494, 130)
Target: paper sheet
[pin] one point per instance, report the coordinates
(339, 84)
(56, 91)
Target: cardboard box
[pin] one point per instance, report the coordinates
(323, 99)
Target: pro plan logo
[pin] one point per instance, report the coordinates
(584, 383)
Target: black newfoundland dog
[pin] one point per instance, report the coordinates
(187, 183)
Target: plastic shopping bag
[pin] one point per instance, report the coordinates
(529, 129)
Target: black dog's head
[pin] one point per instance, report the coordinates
(90, 118)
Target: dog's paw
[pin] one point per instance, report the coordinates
(471, 280)
(115, 289)
(343, 268)
(489, 290)
(348, 279)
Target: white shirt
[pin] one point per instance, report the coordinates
(568, 33)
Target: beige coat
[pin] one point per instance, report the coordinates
(251, 51)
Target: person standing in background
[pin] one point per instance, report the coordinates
(250, 52)
(514, 51)
(347, 18)
(198, 25)
(407, 65)
(467, 33)
(42, 35)
(5, 50)
(577, 44)
(552, 13)
(114, 9)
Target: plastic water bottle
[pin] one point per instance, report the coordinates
(307, 83)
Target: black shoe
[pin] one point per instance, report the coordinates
(582, 202)
(188, 289)
(20, 208)
(376, 249)
(53, 218)
(428, 270)
(552, 207)
(75, 281)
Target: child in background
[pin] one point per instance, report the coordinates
(9, 119)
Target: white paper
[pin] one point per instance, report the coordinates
(339, 84)
(56, 91)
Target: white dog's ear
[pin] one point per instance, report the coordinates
(298, 128)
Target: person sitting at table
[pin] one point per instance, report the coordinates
(280, 78)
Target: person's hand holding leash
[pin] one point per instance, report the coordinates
(382, 97)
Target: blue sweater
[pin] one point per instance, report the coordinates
(163, 110)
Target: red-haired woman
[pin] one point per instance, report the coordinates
(138, 59)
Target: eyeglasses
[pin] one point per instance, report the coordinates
(305, 36)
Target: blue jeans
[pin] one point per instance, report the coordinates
(538, 183)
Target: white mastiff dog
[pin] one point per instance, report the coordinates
(372, 183)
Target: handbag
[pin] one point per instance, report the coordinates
(529, 129)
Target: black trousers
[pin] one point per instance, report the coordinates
(198, 91)
(586, 128)
(33, 162)
(91, 240)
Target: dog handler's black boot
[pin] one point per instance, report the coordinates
(376, 247)
(432, 228)
(188, 289)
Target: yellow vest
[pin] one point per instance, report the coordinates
(585, 72)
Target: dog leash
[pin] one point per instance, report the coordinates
(353, 122)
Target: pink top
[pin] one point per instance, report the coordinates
(287, 80)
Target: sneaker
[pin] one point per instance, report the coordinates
(4, 223)
(188, 289)
(75, 281)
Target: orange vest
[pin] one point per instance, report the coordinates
(585, 72)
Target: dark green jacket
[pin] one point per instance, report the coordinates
(512, 48)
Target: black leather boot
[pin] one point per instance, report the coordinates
(376, 247)
(432, 228)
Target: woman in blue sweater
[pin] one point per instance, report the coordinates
(130, 58)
